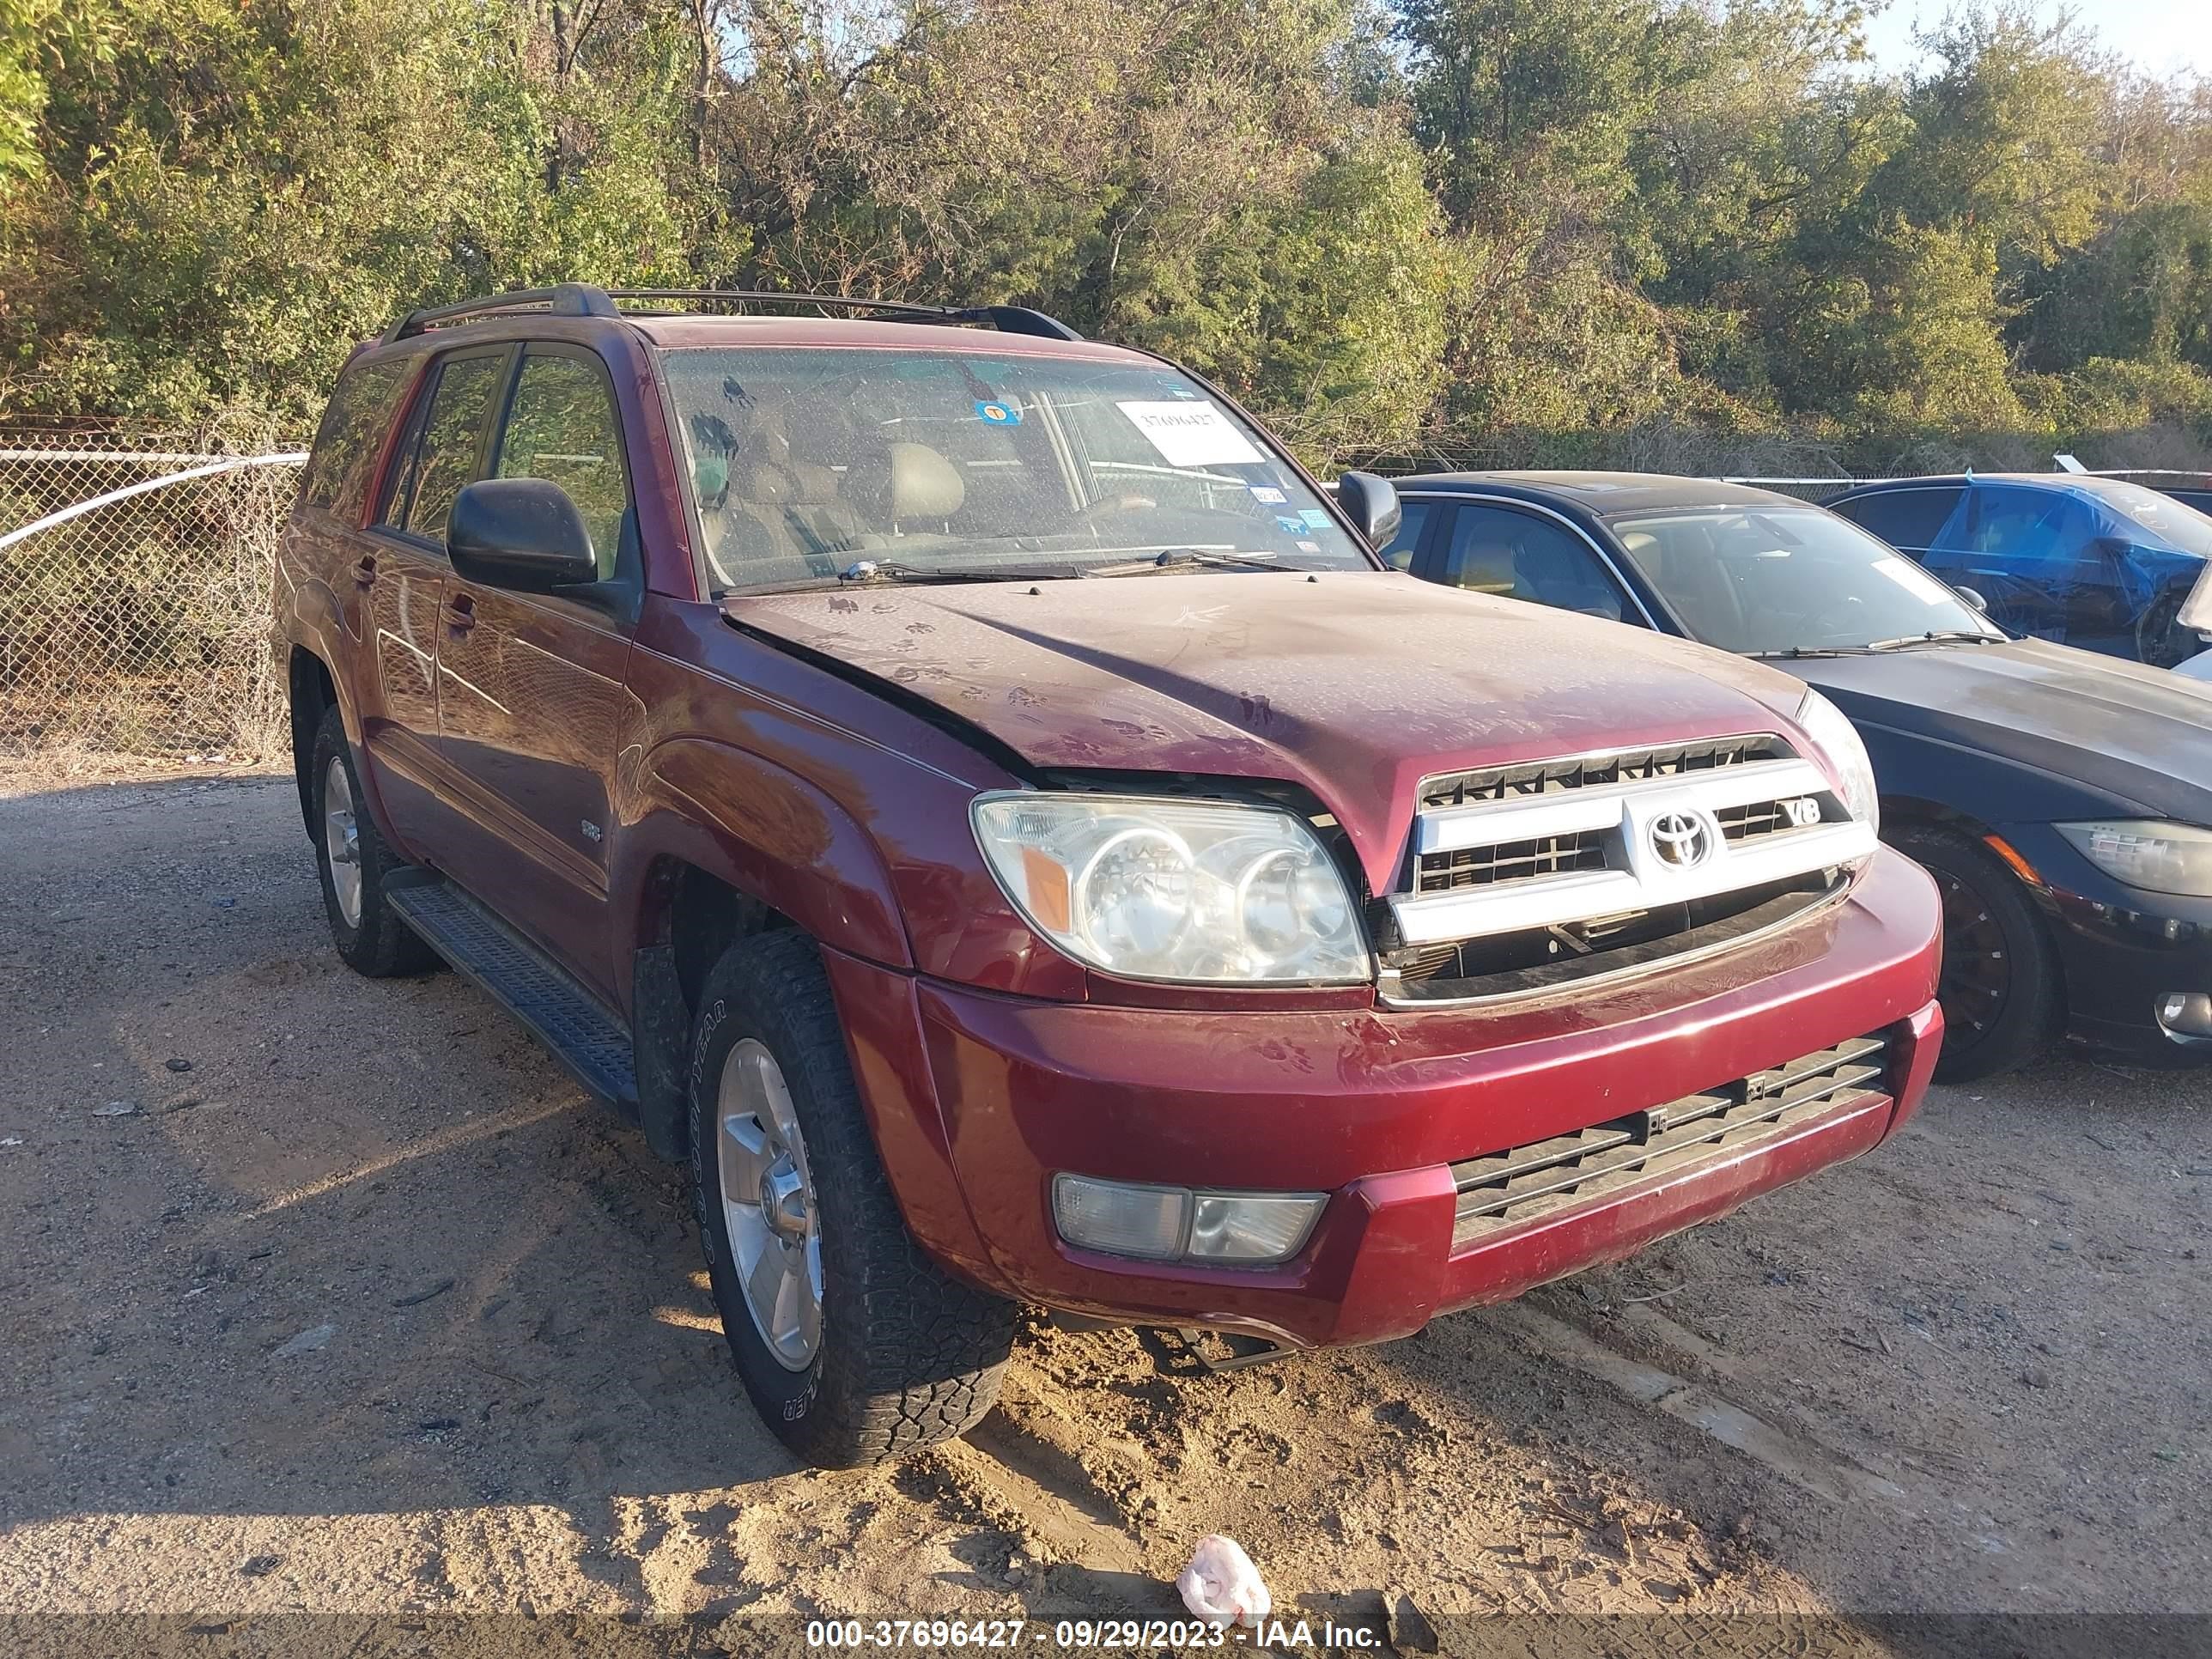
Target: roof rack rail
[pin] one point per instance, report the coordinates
(568, 300)
(583, 299)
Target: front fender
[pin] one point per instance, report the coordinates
(767, 833)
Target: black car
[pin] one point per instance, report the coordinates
(2060, 798)
(2102, 564)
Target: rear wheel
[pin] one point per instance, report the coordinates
(853, 1345)
(354, 862)
(1999, 987)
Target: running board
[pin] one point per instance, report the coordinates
(564, 1017)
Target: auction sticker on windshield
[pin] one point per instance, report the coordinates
(1191, 434)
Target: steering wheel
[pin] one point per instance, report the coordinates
(1108, 506)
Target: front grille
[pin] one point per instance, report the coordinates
(1514, 861)
(1588, 771)
(1513, 1188)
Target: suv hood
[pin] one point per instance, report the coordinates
(1355, 683)
(2141, 735)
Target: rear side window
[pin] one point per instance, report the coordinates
(1908, 519)
(447, 448)
(563, 428)
(352, 432)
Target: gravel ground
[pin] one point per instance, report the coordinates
(331, 1297)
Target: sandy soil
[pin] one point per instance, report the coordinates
(325, 1296)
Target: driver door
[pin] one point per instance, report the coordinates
(531, 695)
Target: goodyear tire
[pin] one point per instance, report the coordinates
(852, 1344)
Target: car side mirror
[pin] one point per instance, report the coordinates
(522, 533)
(1371, 504)
(1973, 596)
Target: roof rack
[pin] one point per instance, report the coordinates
(583, 299)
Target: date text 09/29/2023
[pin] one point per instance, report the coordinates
(1165, 1635)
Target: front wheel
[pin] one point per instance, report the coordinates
(1999, 986)
(2160, 640)
(852, 1344)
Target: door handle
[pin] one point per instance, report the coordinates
(461, 613)
(364, 571)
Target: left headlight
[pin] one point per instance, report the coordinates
(1200, 891)
(1838, 739)
(2151, 853)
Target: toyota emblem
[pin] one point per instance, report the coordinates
(1680, 840)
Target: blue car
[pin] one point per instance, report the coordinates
(2098, 563)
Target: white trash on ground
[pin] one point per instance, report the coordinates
(1222, 1584)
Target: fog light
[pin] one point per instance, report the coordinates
(1170, 1224)
(2185, 1013)
(1251, 1227)
(1120, 1219)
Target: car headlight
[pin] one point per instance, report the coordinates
(1192, 891)
(1838, 739)
(2149, 853)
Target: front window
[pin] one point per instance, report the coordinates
(803, 462)
(2156, 519)
(1769, 581)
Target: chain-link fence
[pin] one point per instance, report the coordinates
(134, 596)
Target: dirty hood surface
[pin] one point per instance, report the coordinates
(1356, 684)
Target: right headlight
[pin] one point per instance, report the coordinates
(2151, 853)
(1835, 736)
(1203, 892)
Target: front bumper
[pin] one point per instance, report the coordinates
(986, 1097)
(2121, 949)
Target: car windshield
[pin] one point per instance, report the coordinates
(2168, 523)
(802, 464)
(1772, 579)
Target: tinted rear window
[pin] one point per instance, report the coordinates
(352, 435)
(1903, 517)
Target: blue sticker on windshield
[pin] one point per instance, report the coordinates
(1292, 526)
(1263, 493)
(995, 414)
(1314, 517)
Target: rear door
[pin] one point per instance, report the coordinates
(401, 572)
(531, 695)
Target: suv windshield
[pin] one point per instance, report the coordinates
(803, 463)
(1771, 580)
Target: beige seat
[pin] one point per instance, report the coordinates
(910, 488)
(778, 510)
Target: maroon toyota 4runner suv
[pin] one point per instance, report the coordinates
(971, 794)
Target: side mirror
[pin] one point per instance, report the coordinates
(1371, 504)
(522, 533)
(1973, 596)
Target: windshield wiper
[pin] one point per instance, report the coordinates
(1936, 636)
(1794, 652)
(867, 572)
(1182, 558)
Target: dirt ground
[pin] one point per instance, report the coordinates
(320, 1294)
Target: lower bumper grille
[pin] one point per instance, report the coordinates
(1513, 1188)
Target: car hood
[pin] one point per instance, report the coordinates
(2141, 734)
(1356, 684)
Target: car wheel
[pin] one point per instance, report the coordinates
(853, 1345)
(2000, 985)
(354, 862)
(2160, 640)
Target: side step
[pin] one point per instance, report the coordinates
(561, 1013)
